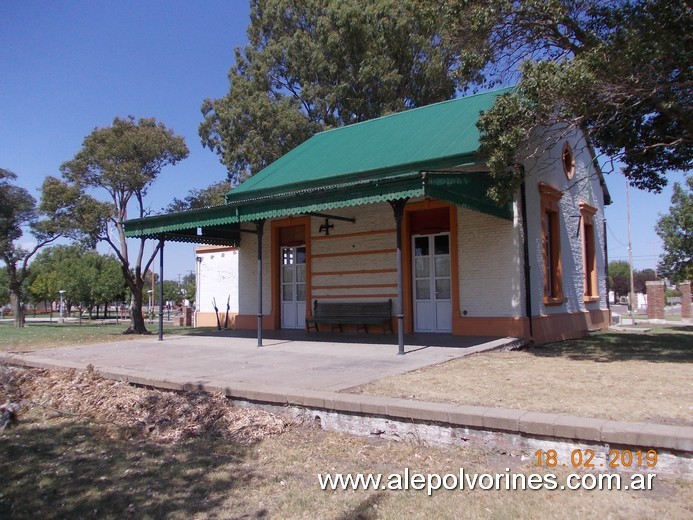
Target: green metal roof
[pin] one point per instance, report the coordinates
(417, 153)
(404, 140)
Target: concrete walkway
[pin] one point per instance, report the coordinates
(238, 362)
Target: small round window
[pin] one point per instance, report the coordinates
(568, 161)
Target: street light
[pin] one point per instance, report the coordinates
(61, 306)
(150, 312)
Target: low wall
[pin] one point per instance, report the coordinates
(209, 319)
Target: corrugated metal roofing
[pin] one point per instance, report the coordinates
(407, 154)
(439, 131)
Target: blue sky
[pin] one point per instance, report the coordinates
(69, 67)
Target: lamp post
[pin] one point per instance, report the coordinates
(150, 292)
(62, 320)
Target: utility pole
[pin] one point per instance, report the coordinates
(630, 256)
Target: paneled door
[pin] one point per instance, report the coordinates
(432, 283)
(293, 287)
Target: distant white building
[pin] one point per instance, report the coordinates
(216, 281)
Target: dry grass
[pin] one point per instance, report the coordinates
(135, 412)
(96, 465)
(634, 377)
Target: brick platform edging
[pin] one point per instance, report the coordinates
(549, 425)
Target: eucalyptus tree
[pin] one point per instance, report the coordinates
(198, 198)
(118, 163)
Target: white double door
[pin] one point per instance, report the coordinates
(432, 283)
(293, 287)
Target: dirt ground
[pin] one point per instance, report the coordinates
(127, 452)
(628, 377)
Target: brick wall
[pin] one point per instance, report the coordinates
(655, 300)
(685, 288)
(584, 187)
(363, 254)
(491, 279)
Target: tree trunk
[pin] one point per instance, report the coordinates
(17, 309)
(137, 322)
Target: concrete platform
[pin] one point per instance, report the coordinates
(327, 364)
(306, 375)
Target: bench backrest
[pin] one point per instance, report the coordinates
(352, 309)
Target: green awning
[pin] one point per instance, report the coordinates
(222, 224)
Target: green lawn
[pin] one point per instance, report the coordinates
(44, 335)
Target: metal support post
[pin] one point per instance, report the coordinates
(398, 208)
(161, 289)
(259, 225)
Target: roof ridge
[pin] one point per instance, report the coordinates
(409, 110)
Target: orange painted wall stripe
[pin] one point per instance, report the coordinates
(357, 234)
(358, 272)
(356, 253)
(335, 296)
(350, 286)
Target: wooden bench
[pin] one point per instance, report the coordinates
(360, 314)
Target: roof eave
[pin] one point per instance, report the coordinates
(292, 189)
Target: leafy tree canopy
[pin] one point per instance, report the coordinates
(641, 277)
(618, 70)
(87, 277)
(18, 214)
(316, 64)
(189, 286)
(120, 161)
(619, 277)
(201, 198)
(676, 232)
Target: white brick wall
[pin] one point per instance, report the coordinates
(491, 279)
(247, 272)
(375, 218)
(584, 187)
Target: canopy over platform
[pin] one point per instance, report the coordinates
(221, 225)
(425, 152)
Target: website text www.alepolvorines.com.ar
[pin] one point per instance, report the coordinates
(462, 480)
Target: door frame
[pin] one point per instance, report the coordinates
(295, 302)
(275, 255)
(407, 275)
(431, 278)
